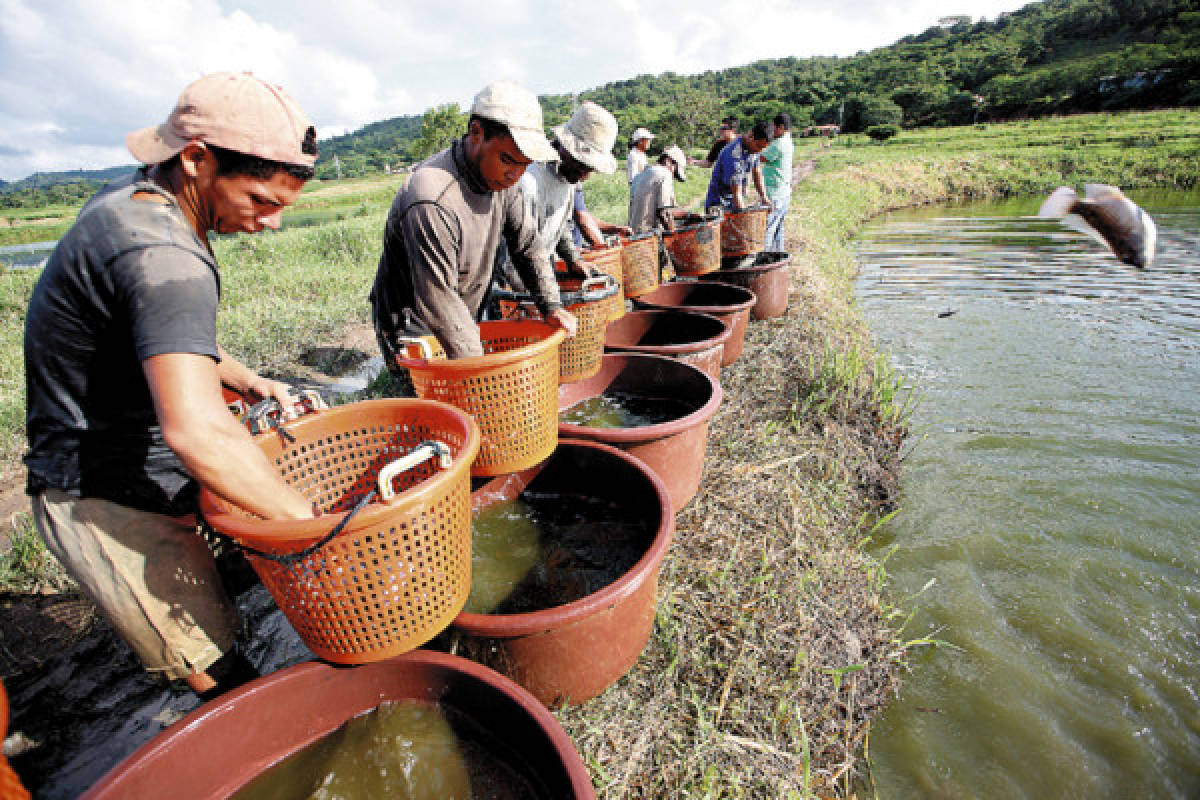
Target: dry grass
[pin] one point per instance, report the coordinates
(772, 648)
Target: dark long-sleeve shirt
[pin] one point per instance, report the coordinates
(439, 249)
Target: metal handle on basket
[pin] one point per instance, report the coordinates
(267, 414)
(598, 284)
(421, 453)
(420, 343)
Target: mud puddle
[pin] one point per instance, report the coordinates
(89, 704)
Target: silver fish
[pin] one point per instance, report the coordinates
(1109, 217)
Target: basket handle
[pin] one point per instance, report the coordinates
(426, 450)
(268, 414)
(597, 288)
(420, 343)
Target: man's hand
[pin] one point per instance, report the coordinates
(262, 388)
(563, 319)
(624, 230)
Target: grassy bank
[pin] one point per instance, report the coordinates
(775, 643)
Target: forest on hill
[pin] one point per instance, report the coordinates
(1050, 57)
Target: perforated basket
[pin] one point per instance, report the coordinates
(608, 260)
(744, 233)
(579, 356)
(639, 262)
(695, 249)
(511, 392)
(400, 569)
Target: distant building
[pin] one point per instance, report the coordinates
(956, 19)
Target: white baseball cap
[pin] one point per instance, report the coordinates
(641, 133)
(518, 109)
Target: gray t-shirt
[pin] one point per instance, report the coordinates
(652, 190)
(128, 281)
(439, 253)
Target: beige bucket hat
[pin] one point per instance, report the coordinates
(676, 155)
(237, 111)
(589, 135)
(518, 109)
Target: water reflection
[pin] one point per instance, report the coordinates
(25, 256)
(1052, 499)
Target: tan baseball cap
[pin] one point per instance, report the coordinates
(518, 109)
(676, 154)
(233, 110)
(589, 135)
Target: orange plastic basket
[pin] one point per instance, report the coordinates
(608, 260)
(695, 249)
(639, 262)
(744, 233)
(511, 391)
(400, 569)
(581, 355)
(11, 787)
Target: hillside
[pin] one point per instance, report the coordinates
(1052, 57)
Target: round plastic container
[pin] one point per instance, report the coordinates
(696, 248)
(400, 569)
(511, 391)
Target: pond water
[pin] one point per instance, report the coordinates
(26, 256)
(1050, 504)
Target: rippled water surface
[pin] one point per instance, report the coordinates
(1051, 504)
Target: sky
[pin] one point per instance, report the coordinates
(77, 75)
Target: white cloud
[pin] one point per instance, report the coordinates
(76, 75)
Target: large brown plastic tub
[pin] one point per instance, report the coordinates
(222, 745)
(725, 301)
(674, 450)
(696, 339)
(573, 652)
(767, 277)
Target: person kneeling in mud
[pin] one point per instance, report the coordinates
(125, 414)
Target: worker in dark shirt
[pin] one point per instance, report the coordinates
(125, 414)
(445, 226)
(726, 133)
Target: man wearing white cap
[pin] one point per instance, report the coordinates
(583, 145)
(125, 414)
(652, 195)
(639, 143)
(445, 226)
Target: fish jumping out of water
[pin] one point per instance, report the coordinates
(1107, 216)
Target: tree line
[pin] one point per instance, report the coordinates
(1051, 57)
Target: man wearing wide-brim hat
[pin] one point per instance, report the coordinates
(446, 224)
(582, 145)
(124, 410)
(636, 161)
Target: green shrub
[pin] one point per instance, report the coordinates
(882, 133)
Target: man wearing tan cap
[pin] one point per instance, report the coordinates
(652, 196)
(445, 225)
(636, 161)
(583, 145)
(125, 414)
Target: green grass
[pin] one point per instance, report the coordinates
(608, 195)
(26, 565)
